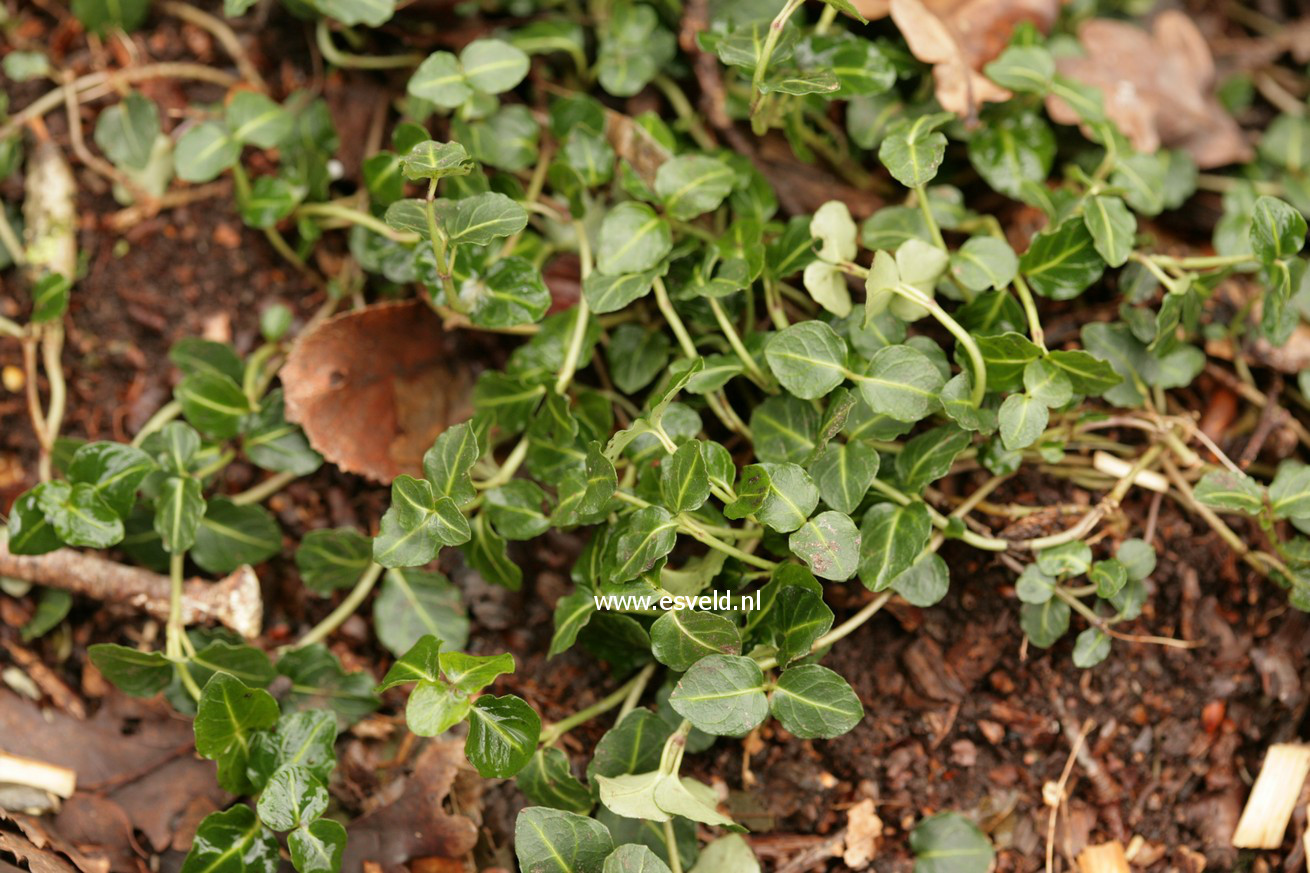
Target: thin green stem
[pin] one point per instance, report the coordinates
(766, 52)
(629, 690)
(260, 492)
(747, 359)
(10, 240)
(921, 195)
(671, 847)
(345, 610)
(336, 57)
(695, 532)
(349, 215)
(215, 465)
(843, 630)
(581, 317)
(1030, 312)
(962, 336)
(683, 108)
(507, 470)
(175, 641)
(675, 322)
(168, 412)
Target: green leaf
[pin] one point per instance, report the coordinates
(417, 525)
(813, 702)
(227, 716)
(1067, 559)
(611, 293)
(891, 538)
(1289, 493)
(493, 66)
(101, 16)
(1034, 585)
(480, 219)
(50, 295)
(727, 854)
(126, 131)
(1091, 648)
(254, 119)
(50, 610)
(682, 637)
(510, 293)
(809, 359)
(472, 673)
(422, 663)
(214, 404)
(300, 739)
(556, 841)
(549, 781)
(783, 429)
(178, 510)
(929, 456)
(636, 354)
(1286, 143)
(913, 150)
(1027, 69)
(1013, 150)
(140, 674)
(722, 695)
(204, 152)
(789, 495)
(28, 531)
(633, 745)
(798, 618)
(901, 383)
(1045, 623)
(412, 603)
(232, 842)
(373, 13)
(1088, 375)
(1112, 228)
(332, 559)
(440, 81)
(243, 662)
(1138, 558)
(292, 797)
(1109, 577)
(436, 160)
(829, 544)
(503, 734)
(447, 464)
(434, 708)
(632, 239)
(1231, 492)
(1063, 261)
(230, 535)
(488, 554)
(318, 846)
(950, 843)
(319, 682)
(572, 613)
(1022, 420)
(515, 510)
(273, 444)
(1006, 355)
(270, 199)
(1277, 230)
(684, 482)
(844, 473)
(691, 185)
(645, 537)
(632, 858)
(115, 471)
(925, 582)
(984, 262)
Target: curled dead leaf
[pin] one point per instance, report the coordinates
(958, 37)
(373, 388)
(1158, 88)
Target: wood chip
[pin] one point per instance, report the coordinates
(57, 780)
(1105, 858)
(1269, 808)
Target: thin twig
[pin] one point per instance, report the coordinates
(221, 32)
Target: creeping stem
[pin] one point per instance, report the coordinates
(630, 690)
(347, 608)
(766, 51)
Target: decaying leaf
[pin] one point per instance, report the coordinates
(958, 37)
(415, 824)
(863, 833)
(374, 388)
(1158, 88)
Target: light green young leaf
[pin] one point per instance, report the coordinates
(1022, 420)
(984, 262)
(1112, 227)
(204, 151)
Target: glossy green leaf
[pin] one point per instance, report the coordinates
(332, 559)
(436, 160)
(1045, 623)
(292, 797)
(1062, 262)
(230, 535)
(891, 538)
(178, 510)
(645, 537)
(691, 185)
(929, 456)
(808, 358)
(447, 464)
(913, 150)
(722, 695)
(114, 469)
(797, 619)
(317, 847)
(493, 66)
(227, 716)
(503, 734)
(844, 473)
(632, 239)
(232, 842)
(680, 638)
(214, 404)
(140, 674)
(901, 383)
(548, 781)
(480, 219)
(556, 841)
(813, 702)
(984, 262)
(1112, 227)
(925, 582)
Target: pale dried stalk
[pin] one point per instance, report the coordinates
(1276, 790)
(59, 781)
(235, 602)
(1119, 468)
(1105, 858)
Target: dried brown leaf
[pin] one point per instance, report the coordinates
(1158, 88)
(958, 37)
(373, 388)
